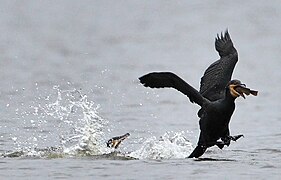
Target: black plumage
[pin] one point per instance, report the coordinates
(216, 96)
(218, 74)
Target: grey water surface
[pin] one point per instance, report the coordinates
(101, 48)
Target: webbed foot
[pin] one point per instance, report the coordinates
(235, 138)
(226, 140)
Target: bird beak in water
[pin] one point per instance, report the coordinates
(241, 89)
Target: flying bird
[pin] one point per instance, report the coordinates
(216, 96)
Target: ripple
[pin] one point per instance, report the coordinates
(268, 167)
(270, 150)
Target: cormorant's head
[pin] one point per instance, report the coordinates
(237, 89)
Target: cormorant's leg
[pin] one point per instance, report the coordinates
(198, 151)
(226, 140)
(220, 144)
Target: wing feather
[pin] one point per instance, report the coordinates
(218, 74)
(168, 79)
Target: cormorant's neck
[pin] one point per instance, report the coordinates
(228, 97)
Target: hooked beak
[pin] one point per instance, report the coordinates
(241, 89)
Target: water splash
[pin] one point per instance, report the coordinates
(172, 145)
(88, 132)
(75, 121)
(82, 133)
(87, 135)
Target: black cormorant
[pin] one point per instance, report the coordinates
(216, 96)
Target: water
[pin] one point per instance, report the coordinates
(69, 82)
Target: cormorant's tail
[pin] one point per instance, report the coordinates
(168, 79)
(197, 152)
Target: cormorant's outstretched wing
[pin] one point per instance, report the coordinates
(168, 79)
(219, 73)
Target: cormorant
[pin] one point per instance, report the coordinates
(216, 96)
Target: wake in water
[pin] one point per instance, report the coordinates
(86, 133)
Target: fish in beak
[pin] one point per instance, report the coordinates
(242, 89)
(238, 89)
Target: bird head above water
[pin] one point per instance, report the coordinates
(236, 89)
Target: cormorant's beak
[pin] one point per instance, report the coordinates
(241, 90)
